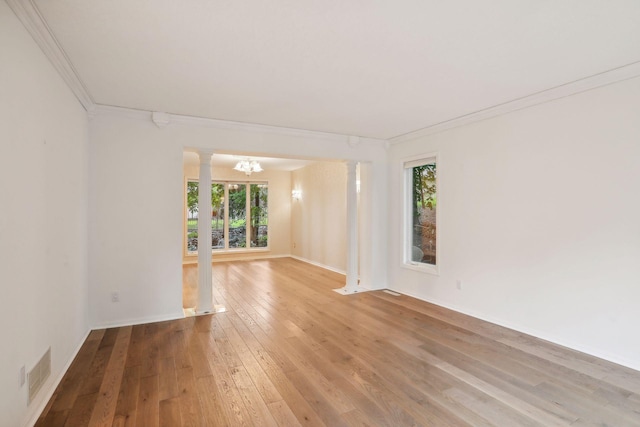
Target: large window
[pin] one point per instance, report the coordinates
(239, 216)
(420, 213)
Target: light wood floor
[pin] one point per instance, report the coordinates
(290, 352)
(189, 285)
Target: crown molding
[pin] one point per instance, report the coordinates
(35, 24)
(168, 120)
(619, 74)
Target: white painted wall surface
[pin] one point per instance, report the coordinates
(540, 221)
(136, 170)
(135, 228)
(318, 218)
(43, 219)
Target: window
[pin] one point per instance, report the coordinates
(258, 202)
(421, 213)
(234, 206)
(237, 215)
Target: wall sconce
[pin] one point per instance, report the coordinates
(296, 194)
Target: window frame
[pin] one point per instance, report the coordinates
(407, 164)
(226, 250)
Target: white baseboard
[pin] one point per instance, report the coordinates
(317, 264)
(51, 386)
(140, 320)
(239, 257)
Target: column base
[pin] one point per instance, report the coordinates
(200, 312)
(217, 308)
(350, 290)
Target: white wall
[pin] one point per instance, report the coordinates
(136, 190)
(135, 223)
(318, 218)
(279, 209)
(540, 220)
(43, 219)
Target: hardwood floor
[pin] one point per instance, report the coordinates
(291, 352)
(189, 285)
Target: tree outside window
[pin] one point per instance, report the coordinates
(422, 204)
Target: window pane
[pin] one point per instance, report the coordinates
(424, 201)
(237, 215)
(217, 216)
(258, 203)
(192, 216)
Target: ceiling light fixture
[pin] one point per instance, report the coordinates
(248, 166)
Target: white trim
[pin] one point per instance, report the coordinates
(317, 264)
(633, 364)
(421, 266)
(140, 320)
(218, 251)
(178, 119)
(407, 164)
(413, 160)
(35, 24)
(615, 75)
(252, 256)
(53, 385)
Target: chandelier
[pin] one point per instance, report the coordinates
(248, 166)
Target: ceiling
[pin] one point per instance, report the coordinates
(372, 69)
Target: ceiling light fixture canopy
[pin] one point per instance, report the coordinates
(248, 166)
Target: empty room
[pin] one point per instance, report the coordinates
(283, 213)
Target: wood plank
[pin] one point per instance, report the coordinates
(230, 399)
(150, 358)
(209, 397)
(134, 356)
(105, 406)
(261, 381)
(251, 398)
(80, 413)
(190, 409)
(127, 406)
(282, 414)
(92, 379)
(170, 413)
(148, 410)
(168, 379)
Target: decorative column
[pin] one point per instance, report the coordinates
(351, 286)
(205, 283)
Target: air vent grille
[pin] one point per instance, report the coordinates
(39, 374)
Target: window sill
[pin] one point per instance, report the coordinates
(239, 250)
(422, 268)
(230, 251)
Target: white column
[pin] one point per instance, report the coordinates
(205, 284)
(352, 231)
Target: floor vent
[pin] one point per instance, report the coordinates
(39, 374)
(395, 294)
